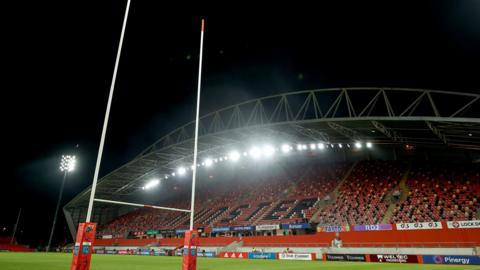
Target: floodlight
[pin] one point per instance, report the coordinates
(369, 145)
(340, 145)
(268, 150)
(68, 163)
(286, 148)
(234, 155)
(299, 147)
(255, 152)
(358, 145)
(304, 147)
(151, 183)
(181, 171)
(208, 162)
(321, 146)
(313, 146)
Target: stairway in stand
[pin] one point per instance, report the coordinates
(404, 194)
(333, 195)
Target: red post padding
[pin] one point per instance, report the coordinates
(189, 260)
(82, 251)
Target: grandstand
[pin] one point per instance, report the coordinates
(421, 165)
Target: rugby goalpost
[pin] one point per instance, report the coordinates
(85, 259)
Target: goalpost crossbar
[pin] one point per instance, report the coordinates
(143, 205)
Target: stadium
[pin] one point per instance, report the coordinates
(390, 172)
(336, 177)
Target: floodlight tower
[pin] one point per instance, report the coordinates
(66, 165)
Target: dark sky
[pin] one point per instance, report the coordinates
(58, 57)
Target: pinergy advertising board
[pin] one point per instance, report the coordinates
(451, 259)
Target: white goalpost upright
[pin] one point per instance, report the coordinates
(195, 149)
(107, 114)
(82, 250)
(104, 131)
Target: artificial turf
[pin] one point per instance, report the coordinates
(61, 261)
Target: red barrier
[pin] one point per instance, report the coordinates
(428, 238)
(410, 238)
(213, 241)
(431, 238)
(15, 248)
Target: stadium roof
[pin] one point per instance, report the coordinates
(390, 116)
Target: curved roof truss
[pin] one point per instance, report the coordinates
(383, 115)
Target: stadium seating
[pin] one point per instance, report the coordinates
(274, 200)
(361, 198)
(435, 193)
(440, 192)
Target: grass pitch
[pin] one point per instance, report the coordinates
(54, 261)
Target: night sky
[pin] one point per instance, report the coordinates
(59, 56)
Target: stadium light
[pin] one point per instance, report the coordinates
(181, 171)
(255, 152)
(268, 151)
(68, 163)
(208, 162)
(286, 148)
(151, 183)
(234, 155)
